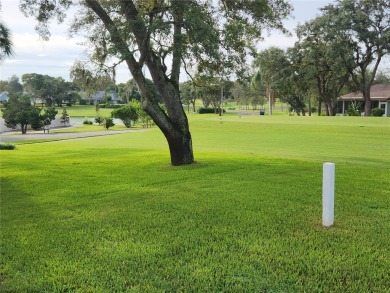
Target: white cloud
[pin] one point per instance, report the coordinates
(28, 43)
(13, 61)
(56, 56)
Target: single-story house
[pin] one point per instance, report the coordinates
(3, 97)
(380, 98)
(99, 96)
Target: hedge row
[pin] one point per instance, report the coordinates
(209, 111)
(7, 146)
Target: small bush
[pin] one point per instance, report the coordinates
(87, 122)
(206, 110)
(209, 111)
(354, 109)
(99, 120)
(7, 146)
(126, 113)
(377, 112)
(83, 102)
(108, 122)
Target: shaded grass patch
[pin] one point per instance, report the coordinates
(95, 217)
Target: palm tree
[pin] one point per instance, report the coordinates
(5, 41)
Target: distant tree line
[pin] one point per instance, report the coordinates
(337, 52)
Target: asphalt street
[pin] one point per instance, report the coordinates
(38, 135)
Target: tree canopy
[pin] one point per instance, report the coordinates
(48, 89)
(363, 27)
(19, 111)
(339, 50)
(5, 41)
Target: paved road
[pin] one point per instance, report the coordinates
(36, 135)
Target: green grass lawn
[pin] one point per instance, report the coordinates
(109, 214)
(85, 111)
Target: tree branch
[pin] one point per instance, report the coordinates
(121, 45)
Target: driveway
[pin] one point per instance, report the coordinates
(37, 135)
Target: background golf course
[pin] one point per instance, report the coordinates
(110, 214)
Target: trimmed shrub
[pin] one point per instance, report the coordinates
(126, 113)
(209, 111)
(206, 110)
(353, 110)
(108, 122)
(7, 146)
(377, 112)
(87, 122)
(99, 120)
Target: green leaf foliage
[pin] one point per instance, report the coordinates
(127, 114)
(19, 111)
(108, 122)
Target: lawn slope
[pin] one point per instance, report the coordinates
(109, 214)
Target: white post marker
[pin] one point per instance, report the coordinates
(328, 180)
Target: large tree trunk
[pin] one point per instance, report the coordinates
(319, 107)
(367, 101)
(180, 147)
(327, 109)
(174, 126)
(174, 123)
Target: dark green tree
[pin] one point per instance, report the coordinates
(5, 41)
(108, 122)
(38, 86)
(214, 36)
(272, 67)
(319, 60)
(82, 76)
(381, 78)
(14, 86)
(64, 117)
(19, 111)
(362, 26)
(127, 114)
(188, 93)
(49, 114)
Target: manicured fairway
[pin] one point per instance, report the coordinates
(109, 214)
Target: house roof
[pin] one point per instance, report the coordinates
(378, 92)
(4, 97)
(100, 95)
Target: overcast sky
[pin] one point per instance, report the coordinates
(55, 57)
